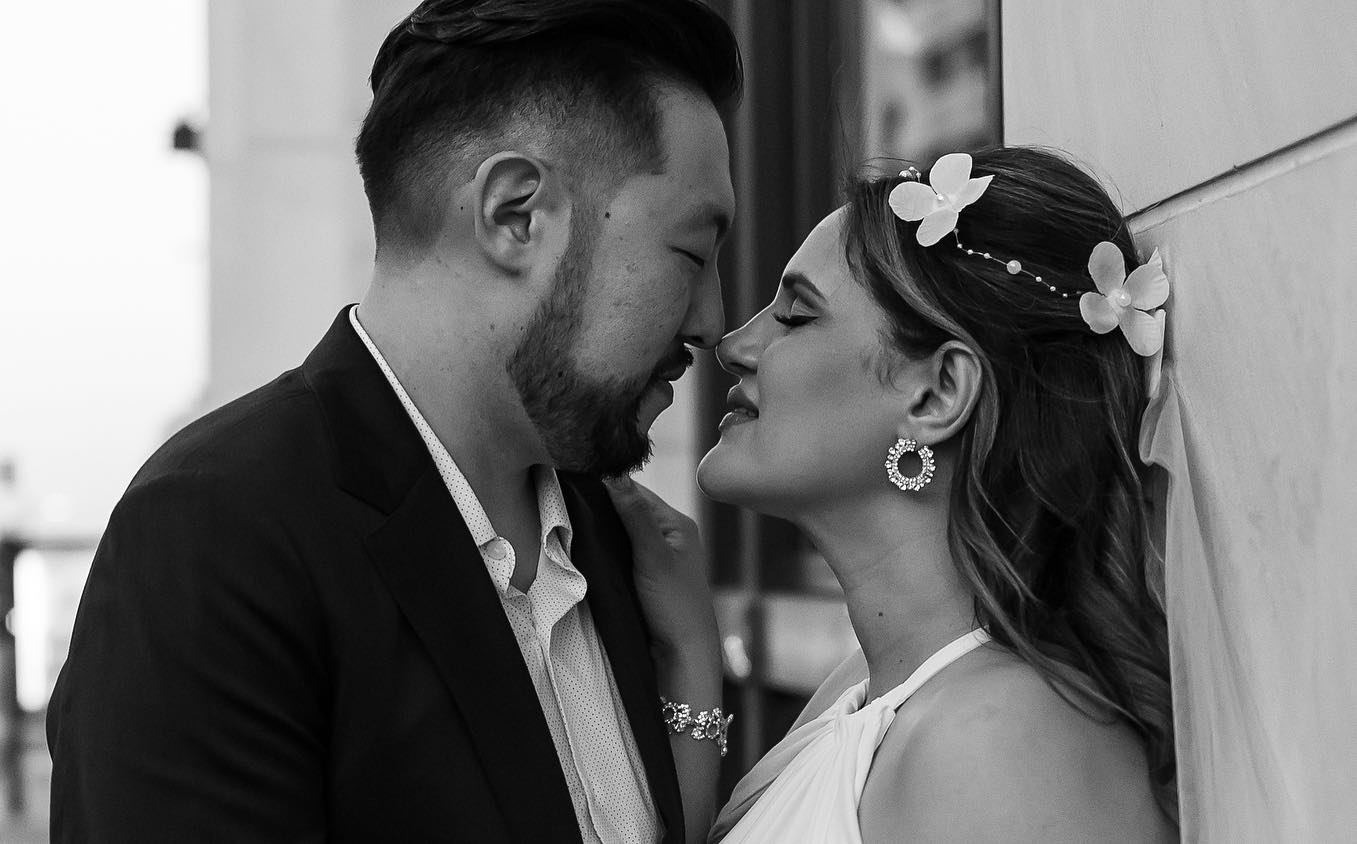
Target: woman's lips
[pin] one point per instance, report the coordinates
(737, 416)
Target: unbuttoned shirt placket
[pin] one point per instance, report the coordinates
(551, 620)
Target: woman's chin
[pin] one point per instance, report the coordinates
(720, 478)
(726, 474)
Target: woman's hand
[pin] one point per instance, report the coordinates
(671, 577)
(671, 581)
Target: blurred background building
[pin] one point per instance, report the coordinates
(182, 219)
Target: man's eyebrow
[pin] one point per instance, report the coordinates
(711, 214)
(798, 283)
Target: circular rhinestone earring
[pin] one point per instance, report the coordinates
(913, 483)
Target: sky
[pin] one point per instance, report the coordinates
(103, 233)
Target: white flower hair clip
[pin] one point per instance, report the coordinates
(1131, 302)
(939, 203)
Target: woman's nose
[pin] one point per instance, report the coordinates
(738, 351)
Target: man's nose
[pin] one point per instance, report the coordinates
(706, 316)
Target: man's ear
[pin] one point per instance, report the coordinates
(522, 213)
(946, 387)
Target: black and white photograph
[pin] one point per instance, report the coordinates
(678, 421)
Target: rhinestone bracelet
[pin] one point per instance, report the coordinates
(708, 724)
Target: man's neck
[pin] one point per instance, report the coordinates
(452, 364)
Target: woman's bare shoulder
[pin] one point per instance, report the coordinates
(850, 672)
(991, 752)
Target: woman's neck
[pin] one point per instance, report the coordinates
(905, 597)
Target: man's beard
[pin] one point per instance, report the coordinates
(588, 425)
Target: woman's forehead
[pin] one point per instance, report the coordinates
(820, 257)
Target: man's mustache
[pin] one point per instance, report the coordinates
(672, 367)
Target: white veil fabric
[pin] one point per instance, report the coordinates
(1223, 743)
(1252, 425)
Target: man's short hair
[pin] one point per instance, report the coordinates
(573, 79)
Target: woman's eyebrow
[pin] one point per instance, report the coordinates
(798, 283)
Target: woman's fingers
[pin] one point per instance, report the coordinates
(647, 517)
(636, 512)
(667, 519)
(669, 568)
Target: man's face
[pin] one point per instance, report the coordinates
(637, 284)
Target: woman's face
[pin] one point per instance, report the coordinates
(812, 417)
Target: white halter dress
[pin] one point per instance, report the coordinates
(807, 788)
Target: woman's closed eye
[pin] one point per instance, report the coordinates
(796, 315)
(793, 320)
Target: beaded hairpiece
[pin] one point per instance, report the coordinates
(1129, 302)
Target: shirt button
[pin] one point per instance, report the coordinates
(498, 549)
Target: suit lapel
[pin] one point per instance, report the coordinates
(433, 569)
(600, 550)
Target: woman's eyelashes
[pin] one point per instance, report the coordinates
(793, 320)
(793, 317)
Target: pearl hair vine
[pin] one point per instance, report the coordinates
(1131, 303)
(941, 203)
(1013, 266)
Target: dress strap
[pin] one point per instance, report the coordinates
(943, 657)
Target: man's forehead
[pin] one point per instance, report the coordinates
(696, 153)
(704, 178)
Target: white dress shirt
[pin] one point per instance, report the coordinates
(555, 633)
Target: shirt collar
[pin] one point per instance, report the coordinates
(551, 509)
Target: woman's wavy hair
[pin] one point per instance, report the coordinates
(1049, 511)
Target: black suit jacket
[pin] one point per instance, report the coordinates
(288, 634)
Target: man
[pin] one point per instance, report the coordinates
(360, 603)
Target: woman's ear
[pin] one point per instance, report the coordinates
(946, 388)
(522, 214)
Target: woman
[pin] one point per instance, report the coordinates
(1013, 678)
